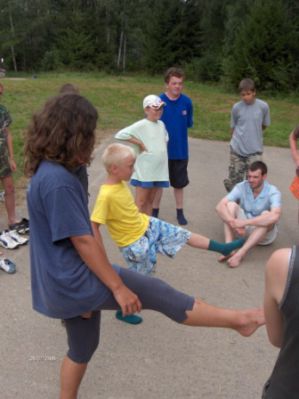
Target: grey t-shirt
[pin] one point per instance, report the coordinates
(247, 121)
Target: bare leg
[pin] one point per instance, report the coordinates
(198, 241)
(157, 199)
(233, 209)
(229, 234)
(144, 199)
(245, 322)
(255, 237)
(179, 197)
(70, 378)
(10, 206)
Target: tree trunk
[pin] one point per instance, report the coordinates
(12, 49)
(121, 38)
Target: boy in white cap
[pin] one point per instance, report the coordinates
(149, 137)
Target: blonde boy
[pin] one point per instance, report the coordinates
(139, 236)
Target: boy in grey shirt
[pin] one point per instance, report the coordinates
(249, 117)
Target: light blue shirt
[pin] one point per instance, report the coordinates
(268, 198)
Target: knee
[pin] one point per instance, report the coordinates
(83, 338)
(9, 188)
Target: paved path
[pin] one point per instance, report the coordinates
(157, 359)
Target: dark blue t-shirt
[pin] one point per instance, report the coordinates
(62, 285)
(178, 117)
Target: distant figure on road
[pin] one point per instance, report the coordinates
(71, 276)
(249, 117)
(178, 117)
(281, 307)
(252, 209)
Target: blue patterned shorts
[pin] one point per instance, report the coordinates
(160, 237)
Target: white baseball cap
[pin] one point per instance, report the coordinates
(153, 101)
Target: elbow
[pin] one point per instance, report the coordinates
(275, 341)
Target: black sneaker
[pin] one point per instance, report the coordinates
(21, 227)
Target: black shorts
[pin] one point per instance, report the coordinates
(84, 334)
(178, 174)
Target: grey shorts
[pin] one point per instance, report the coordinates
(270, 235)
(154, 294)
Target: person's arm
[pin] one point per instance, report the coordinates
(275, 281)
(293, 147)
(127, 135)
(97, 235)
(96, 259)
(12, 163)
(134, 140)
(264, 220)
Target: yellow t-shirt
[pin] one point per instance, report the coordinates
(116, 208)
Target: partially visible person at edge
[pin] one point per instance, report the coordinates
(9, 238)
(249, 117)
(178, 117)
(71, 276)
(281, 305)
(295, 155)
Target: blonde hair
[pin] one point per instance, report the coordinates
(115, 154)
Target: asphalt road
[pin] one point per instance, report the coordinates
(157, 359)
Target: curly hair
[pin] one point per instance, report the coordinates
(63, 132)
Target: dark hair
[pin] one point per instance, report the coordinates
(296, 132)
(63, 132)
(173, 71)
(259, 165)
(246, 85)
(68, 88)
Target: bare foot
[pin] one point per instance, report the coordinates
(250, 321)
(224, 258)
(235, 260)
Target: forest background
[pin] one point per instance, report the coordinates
(214, 40)
(115, 52)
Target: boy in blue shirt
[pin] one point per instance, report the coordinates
(178, 117)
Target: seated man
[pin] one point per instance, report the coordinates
(251, 209)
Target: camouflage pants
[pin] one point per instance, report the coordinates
(238, 167)
(5, 169)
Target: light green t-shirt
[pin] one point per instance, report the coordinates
(150, 165)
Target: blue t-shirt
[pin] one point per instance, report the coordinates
(62, 285)
(178, 117)
(268, 198)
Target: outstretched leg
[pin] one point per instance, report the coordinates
(199, 241)
(245, 322)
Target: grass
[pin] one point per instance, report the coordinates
(119, 102)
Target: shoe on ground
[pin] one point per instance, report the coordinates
(6, 241)
(22, 227)
(16, 236)
(8, 266)
(130, 319)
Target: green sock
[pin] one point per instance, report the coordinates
(225, 248)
